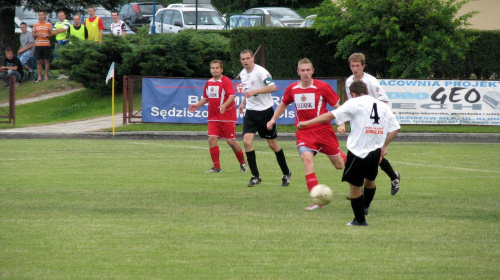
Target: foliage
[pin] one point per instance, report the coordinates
(408, 38)
(283, 47)
(186, 54)
(88, 63)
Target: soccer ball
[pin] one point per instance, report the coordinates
(321, 195)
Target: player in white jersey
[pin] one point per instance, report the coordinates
(117, 27)
(258, 86)
(357, 65)
(373, 127)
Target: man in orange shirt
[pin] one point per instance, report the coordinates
(42, 30)
(94, 26)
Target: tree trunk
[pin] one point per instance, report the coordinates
(7, 32)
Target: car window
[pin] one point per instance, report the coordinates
(284, 13)
(177, 17)
(167, 17)
(158, 16)
(148, 8)
(204, 18)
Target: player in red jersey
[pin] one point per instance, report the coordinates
(310, 97)
(219, 94)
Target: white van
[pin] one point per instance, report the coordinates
(173, 20)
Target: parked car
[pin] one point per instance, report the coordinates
(206, 6)
(107, 26)
(236, 21)
(286, 15)
(308, 22)
(173, 20)
(138, 14)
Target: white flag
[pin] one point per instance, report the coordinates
(111, 72)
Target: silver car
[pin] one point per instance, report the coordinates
(173, 20)
(286, 15)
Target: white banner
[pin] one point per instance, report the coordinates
(444, 101)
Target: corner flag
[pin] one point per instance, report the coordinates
(111, 72)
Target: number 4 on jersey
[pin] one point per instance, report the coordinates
(374, 114)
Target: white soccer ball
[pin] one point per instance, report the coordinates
(321, 195)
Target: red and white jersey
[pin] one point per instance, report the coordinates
(371, 120)
(217, 92)
(373, 86)
(118, 28)
(310, 101)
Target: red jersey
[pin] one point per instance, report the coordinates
(217, 92)
(310, 102)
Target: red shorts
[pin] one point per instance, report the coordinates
(224, 130)
(321, 139)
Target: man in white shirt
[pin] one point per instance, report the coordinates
(357, 65)
(117, 27)
(258, 86)
(373, 127)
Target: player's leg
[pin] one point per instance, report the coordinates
(249, 130)
(354, 175)
(213, 137)
(47, 69)
(238, 152)
(371, 172)
(385, 165)
(307, 156)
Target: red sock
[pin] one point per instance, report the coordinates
(240, 156)
(344, 157)
(311, 181)
(214, 153)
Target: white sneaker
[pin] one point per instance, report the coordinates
(313, 207)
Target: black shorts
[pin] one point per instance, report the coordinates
(357, 169)
(43, 52)
(256, 121)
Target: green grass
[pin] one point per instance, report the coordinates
(138, 209)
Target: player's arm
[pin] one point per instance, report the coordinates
(101, 29)
(268, 89)
(228, 102)
(390, 136)
(279, 111)
(242, 105)
(60, 30)
(194, 107)
(326, 117)
(341, 127)
(50, 31)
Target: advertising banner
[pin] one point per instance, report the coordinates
(168, 100)
(444, 101)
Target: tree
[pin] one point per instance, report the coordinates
(405, 38)
(7, 13)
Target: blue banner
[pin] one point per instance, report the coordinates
(167, 100)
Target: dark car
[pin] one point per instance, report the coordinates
(136, 15)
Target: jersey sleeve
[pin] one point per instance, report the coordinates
(288, 95)
(393, 123)
(228, 86)
(378, 91)
(205, 96)
(101, 24)
(343, 113)
(330, 95)
(266, 77)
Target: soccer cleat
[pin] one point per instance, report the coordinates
(243, 167)
(348, 197)
(395, 184)
(313, 207)
(356, 223)
(254, 181)
(366, 211)
(285, 180)
(213, 170)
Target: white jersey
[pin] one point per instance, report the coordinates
(371, 120)
(117, 28)
(257, 79)
(373, 86)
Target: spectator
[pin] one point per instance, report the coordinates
(94, 26)
(118, 26)
(77, 29)
(12, 66)
(25, 51)
(42, 30)
(61, 29)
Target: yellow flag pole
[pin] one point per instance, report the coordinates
(113, 106)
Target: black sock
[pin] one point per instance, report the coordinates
(252, 163)
(280, 157)
(369, 194)
(387, 168)
(358, 205)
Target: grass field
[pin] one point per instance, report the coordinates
(138, 209)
